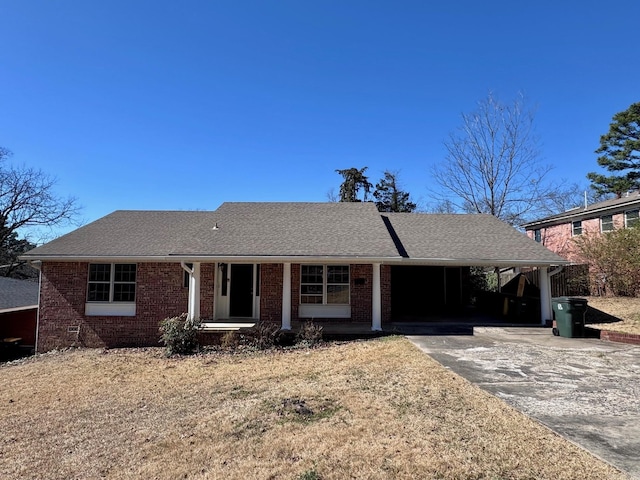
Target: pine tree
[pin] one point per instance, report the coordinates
(619, 152)
(389, 197)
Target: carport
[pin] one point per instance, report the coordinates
(431, 280)
(422, 292)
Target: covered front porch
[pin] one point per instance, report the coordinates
(397, 298)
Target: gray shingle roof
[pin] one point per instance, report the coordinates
(473, 239)
(355, 230)
(17, 293)
(244, 229)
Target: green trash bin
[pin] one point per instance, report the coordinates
(569, 313)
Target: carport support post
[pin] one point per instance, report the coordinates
(545, 295)
(286, 296)
(376, 300)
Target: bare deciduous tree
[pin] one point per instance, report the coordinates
(493, 163)
(27, 199)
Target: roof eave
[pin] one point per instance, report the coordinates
(581, 213)
(389, 260)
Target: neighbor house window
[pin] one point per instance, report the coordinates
(537, 235)
(631, 218)
(606, 223)
(112, 282)
(576, 227)
(324, 284)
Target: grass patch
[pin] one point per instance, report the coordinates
(374, 409)
(619, 314)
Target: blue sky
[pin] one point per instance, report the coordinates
(183, 105)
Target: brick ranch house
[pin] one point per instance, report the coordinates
(110, 282)
(558, 231)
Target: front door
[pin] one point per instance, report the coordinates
(241, 291)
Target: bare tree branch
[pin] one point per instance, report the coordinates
(28, 199)
(493, 165)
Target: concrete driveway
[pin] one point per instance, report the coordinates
(586, 390)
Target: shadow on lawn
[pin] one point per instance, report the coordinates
(594, 315)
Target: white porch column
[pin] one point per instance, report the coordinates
(286, 297)
(376, 299)
(546, 313)
(193, 308)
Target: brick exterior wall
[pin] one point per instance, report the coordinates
(385, 287)
(159, 294)
(559, 238)
(207, 290)
(271, 275)
(361, 278)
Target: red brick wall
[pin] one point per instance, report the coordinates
(560, 239)
(207, 290)
(385, 287)
(271, 275)
(361, 277)
(159, 294)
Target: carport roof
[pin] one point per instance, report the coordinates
(465, 239)
(295, 231)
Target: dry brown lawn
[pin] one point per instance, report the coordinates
(367, 409)
(620, 314)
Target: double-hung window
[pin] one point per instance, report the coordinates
(324, 291)
(576, 227)
(111, 289)
(606, 223)
(631, 218)
(324, 284)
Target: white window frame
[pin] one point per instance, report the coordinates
(325, 284)
(111, 307)
(325, 309)
(576, 225)
(634, 221)
(609, 222)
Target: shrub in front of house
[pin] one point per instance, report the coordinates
(179, 335)
(309, 334)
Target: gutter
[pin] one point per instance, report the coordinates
(183, 259)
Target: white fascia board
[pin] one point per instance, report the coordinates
(474, 262)
(19, 309)
(211, 258)
(310, 259)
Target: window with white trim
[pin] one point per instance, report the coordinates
(631, 218)
(324, 284)
(576, 227)
(112, 282)
(606, 223)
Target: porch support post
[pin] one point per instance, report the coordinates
(546, 313)
(376, 299)
(193, 308)
(286, 296)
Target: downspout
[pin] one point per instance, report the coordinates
(37, 264)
